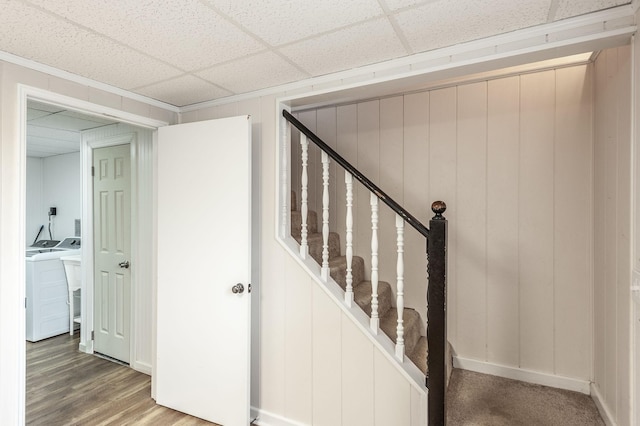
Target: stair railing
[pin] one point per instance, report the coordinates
(436, 248)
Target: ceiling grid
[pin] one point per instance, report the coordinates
(192, 51)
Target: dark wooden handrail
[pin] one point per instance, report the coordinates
(408, 217)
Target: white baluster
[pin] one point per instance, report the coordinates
(375, 321)
(400, 288)
(348, 295)
(325, 216)
(304, 194)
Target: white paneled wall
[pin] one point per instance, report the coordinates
(612, 232)
(512, 158)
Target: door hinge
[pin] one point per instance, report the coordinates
(25, 303)
(93, 171)
(93, 335)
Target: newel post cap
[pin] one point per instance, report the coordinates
(438, 207)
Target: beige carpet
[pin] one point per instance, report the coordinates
(482, 400)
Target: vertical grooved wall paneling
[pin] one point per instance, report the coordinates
(612, 230)
(572, 215)
(503, 295)
(416, 198)
(471, 218)
(537, 122)
(512, 158)
(623, 264)
(357, 376)
(327, 362)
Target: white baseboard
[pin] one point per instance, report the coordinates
(603, 408)
(568, 383)
(142, 367)
(265, 418)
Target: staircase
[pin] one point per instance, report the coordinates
(299, 232)
(415, 345)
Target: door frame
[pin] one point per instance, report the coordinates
(16, 332)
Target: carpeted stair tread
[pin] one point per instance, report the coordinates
(419, 354)
(294, 202)
(338, 270)
(362, 296)
(411, 324)
(315, 243)
(296, 223)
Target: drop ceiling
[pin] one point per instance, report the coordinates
(183, 52)
(52, 130)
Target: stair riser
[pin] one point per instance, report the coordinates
(363, 297)
(339, 272)
(316, 243)
(411, 327)
(296, 223)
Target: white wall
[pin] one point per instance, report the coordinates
(512, 158)
(61, 189)
(612, 232)
(36, 215)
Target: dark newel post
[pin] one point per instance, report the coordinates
(436, 313)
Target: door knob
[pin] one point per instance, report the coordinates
(124, 264)
(237, 289)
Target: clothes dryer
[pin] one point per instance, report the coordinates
(47, 312)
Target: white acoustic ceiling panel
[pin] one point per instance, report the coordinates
(363, 44)
(278, 22)
(186, 34)
(445, 23)
(35, 34)
(254, 72)
(568, 8)
(51, 130)
(183, 90)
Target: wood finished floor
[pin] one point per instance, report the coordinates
(68, 387)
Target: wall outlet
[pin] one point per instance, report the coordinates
(52, 211)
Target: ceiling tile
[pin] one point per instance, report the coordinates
(445, 23)
(252, 73)
(401, 4)
(186, 34)
(36, 35)
(279, 22)
(70, 120)
(363, 44)
(184, 90)
(568, 8)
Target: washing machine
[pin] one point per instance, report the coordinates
(46, 288)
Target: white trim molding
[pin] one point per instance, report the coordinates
(529, 376)
(56, 72)
(265, 418)
(603, 408)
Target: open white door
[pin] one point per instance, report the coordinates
(204, 250)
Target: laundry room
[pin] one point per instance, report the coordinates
(52, 222)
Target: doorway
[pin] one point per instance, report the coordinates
(142, 192)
